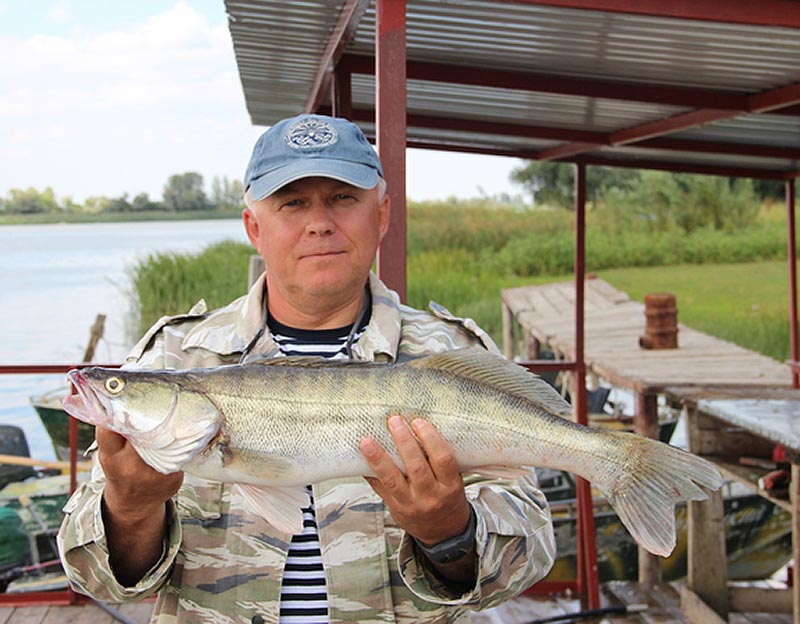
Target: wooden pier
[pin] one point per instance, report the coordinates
(662, 604)
(538, 316)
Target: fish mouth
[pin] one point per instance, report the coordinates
(85, 405)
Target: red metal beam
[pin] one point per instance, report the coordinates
(630, 162)
(548, 83)
(643, 131)
(342, 95)
(682, 167)
(588, 578)
(771, 100)
(661, 127)
(794, 345)
(775, 99)
(584, 136)
(489, 148)
(390, 123)
(781, 13)
(342, 34)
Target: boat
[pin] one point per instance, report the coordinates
(758, 535)
(56, 423)
(32, 496)
(51, 413)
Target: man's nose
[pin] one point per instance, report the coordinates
(320, 218)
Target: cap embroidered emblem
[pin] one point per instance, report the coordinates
(310, 134)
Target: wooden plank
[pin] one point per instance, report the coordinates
(508, 333)
(28, 615)
(138, 611)
(706, 566)
(696, 610)
(750, 599)
(77, 614)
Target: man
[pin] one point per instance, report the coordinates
(408, 546)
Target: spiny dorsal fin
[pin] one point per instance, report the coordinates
(486, 368)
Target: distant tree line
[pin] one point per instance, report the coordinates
(654, 200)
(182, 192)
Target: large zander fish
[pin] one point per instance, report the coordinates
(292, 421)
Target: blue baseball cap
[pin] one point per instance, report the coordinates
(311, 145)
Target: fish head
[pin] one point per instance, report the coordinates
(168, 423)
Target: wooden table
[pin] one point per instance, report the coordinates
(722, 425)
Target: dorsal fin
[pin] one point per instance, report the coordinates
(486, 368)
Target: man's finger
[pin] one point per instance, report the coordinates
(391, 478)
(411, 453)
(440, 453)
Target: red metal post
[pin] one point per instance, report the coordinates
(588, 581)
(390, 133)
(342, 94)
(792, 257)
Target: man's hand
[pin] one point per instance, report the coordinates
(133, 488)
(428, 502)
(134, 506)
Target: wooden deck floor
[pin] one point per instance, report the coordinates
(613, 324)
(663, 606)
(138, 612)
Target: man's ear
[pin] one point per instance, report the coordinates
(251, 227)
(384, 212)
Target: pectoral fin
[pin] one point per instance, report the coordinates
(281, 507)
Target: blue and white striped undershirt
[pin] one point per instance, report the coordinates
(304, 594)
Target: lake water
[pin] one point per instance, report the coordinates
(55, 279)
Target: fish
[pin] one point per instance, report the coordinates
(272, 426)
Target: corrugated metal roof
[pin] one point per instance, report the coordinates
(578, 70)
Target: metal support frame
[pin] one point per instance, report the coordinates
(56, 597)
(792, 260)
(588, 580)
(390, 118)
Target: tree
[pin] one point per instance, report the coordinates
(95, 204)
(142, 203)
(554, 182)
(685, 201)
(118, 204)
(227, 194)
(185, 192)
(31, 201)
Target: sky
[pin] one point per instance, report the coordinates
(111, 97)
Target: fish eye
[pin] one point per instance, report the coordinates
(114, 384)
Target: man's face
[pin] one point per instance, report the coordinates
(318, 237)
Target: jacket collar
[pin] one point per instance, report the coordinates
(229, 330)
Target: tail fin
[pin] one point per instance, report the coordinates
(657, 476)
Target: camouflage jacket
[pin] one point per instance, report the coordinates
(221, 564)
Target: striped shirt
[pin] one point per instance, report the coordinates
(304, 594)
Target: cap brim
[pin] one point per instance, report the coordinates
(356, 174)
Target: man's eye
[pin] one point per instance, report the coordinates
(342, 196)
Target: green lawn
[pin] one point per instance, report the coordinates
(745, 303)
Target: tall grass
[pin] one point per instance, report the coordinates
(729, 284)
(168, 283)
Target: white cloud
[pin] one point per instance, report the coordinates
(118, 109)
(121, 110)
(60, 13)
